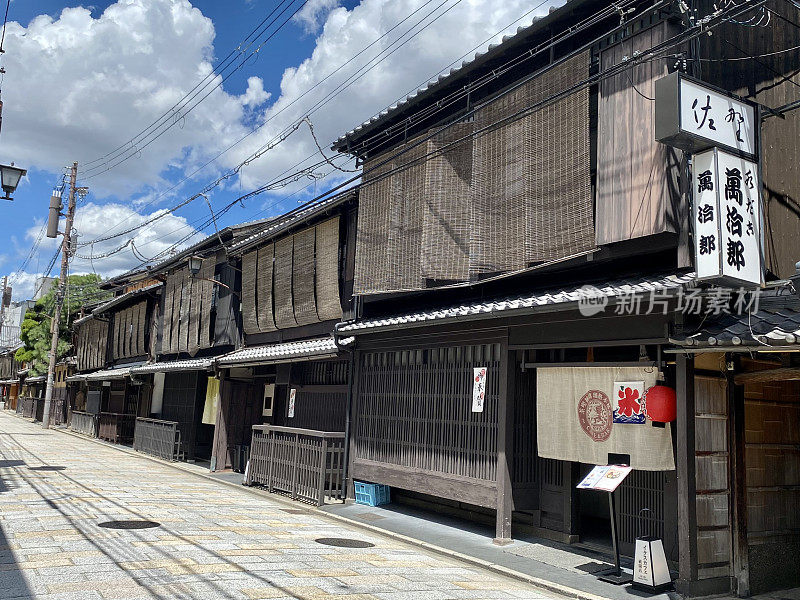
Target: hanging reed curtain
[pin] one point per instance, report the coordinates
(92, 341)
(294, 281)
(187, 309)
(517, 195)
(303, 272)
(329, 304)
(265, 310)
(128, 335)
(284, 304)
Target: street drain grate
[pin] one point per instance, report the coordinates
(344, 543)
(133, 524)
(47, 468)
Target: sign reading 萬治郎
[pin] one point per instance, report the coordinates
(727, 219)
(575, 417)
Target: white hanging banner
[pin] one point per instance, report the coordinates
(478, 388)
(292, 398)
(727, 219)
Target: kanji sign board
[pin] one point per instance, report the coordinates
(727, 219)
(693, 116)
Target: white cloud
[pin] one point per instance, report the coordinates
(313, 13)
(345, 33)
(76, 87)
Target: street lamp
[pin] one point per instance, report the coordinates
(196, 263)
(9, 179)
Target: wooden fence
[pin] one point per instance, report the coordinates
(28, 407)
(85, 423)
(307, 464)
(158, 438)
(117, 428)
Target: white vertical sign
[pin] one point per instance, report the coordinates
(727, 218)
(478, 388)
(292, 398)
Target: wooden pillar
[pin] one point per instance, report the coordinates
(505, 444)
(353, 406)
(685, 466)
(738, 478)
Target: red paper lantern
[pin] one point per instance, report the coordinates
(661, 404)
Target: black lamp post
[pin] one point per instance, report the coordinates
(9, 179)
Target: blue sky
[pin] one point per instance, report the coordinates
(84, 78)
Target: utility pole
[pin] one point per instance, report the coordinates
(62, 286)
(3, 301)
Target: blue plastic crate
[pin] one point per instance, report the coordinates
(371, 494)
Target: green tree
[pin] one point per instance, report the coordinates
(35, 329)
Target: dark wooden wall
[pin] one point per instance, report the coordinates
(637, 192)
(188, 303)
(184, 393)
(774, 81)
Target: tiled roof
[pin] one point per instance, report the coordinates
(432, 86)
(280, 224)
(105, 375)
(124, 297)
(317, 347)
(774, 322)
(521, 304)
(83, 319)
(9, 381)
(199, 364)
(37, 379)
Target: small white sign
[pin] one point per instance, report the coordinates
(605, 478)
(269, 397)
(478, 388)
(292, 398)
(727, 218)
(717, 117)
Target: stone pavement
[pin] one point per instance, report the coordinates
(213, 541)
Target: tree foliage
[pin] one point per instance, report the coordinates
(35, 329)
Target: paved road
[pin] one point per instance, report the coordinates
(213, 541)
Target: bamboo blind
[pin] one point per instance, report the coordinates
(128, 334)
(284, 305)
(187, 309)
(264, 282)
(305, 302)
(329, 304)
(91, 342)
(294, 281)
(517, 195)
(414, 410)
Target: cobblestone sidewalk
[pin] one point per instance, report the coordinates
(212, 541)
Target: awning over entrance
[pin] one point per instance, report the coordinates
(288, 351)
(200, 364)
(37, 379)
(105, 375)
(560, 299)
(773, 324)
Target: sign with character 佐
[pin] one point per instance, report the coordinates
(727, 219)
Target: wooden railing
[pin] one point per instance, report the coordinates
(117, 428)
(85, 423)
(307, 464)
(158, 438)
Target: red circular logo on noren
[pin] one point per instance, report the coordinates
(595, 415)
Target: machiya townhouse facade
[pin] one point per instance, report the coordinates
(476, 324)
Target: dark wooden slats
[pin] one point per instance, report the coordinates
(415, 411)
(206, 297)
(187, 309)
(329, 304)
(304, 463)
(85, 423)
(196, 298)
(284, 304)
(264, 282)
(305, 302)
(116, 427)
(130, 325)
(158, 438)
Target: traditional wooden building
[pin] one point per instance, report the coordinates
(522, 236)
(290, 379)
(9, 380)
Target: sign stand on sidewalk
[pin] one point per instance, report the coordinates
(607, 479)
